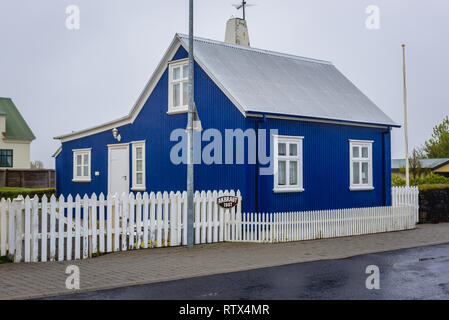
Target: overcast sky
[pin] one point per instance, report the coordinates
(66, 80)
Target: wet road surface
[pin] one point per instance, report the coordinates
(417, 273)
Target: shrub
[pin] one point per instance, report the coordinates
(425, 187)
(397, 181)
(430, 179)
(12, 193)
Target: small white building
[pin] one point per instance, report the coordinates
(15, 137)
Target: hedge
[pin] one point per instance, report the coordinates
(12, 193)
(425, 187)
(430, 179)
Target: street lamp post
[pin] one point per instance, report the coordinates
(190, 185)
(407, 176)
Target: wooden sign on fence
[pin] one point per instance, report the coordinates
(227, 202)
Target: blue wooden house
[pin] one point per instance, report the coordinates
(331, 148)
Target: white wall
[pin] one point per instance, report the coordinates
(21, 152)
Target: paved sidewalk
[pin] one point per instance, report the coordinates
(34, 280)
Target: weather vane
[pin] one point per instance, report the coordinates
(243, 6)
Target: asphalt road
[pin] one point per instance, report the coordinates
(418, 273)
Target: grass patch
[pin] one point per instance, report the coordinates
(11, 193)
(5, 260)
(13, 189)
(98, 254)
(425, 187)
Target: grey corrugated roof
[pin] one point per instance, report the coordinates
(16, 126)
(425, 163)
(274, 83)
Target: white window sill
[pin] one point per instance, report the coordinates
(178, 110)
(287, 190)
(81, 180)
(138, 188)
(361, 188)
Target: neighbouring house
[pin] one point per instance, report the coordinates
(15, 137)
(439, 166)
(331, 149)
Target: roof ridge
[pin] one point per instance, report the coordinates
(264, 51)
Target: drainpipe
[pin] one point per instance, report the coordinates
(257, 181)
(384, 166)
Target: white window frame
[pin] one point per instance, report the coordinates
(135, 186)
(83, 153)
(299, 157)
(183, 81)
(361, 186)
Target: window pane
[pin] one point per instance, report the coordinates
(355, 152)
(282, 149)
(139, 153)
(356, 173)
(365, 172)
(9, 161)
(86, 171)
(139, 179)
(293, 149)
(281, 173)
(365, 152)
(86, 159)
(185, 71)
(185, 94)
(176, 73)
(293, 173)
(78, 171)
(79, 160)
(176, 95)
(139, 165)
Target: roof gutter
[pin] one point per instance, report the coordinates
(317, 119)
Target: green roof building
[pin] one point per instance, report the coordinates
(15, 137)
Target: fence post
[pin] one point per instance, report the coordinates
(3, 227)
(17, 205)
(173, 220)
(11, 229)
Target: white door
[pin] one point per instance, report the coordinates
(118, 169)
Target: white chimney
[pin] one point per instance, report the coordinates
(237, 32)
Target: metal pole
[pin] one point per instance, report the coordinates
(407, 176)
(190, 187)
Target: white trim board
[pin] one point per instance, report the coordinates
(143, 97)
(146, 92)
(176, 43)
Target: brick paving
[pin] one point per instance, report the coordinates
(34, 280)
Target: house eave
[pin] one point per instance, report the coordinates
(318, 119)
(143, 97)
(10, 139)
(57, 153)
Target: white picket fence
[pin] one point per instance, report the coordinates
(406, 196)
(66, 229)
(307, 225)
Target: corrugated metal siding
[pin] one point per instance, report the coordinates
(155, 126)
(326, 155)
(326, 168)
